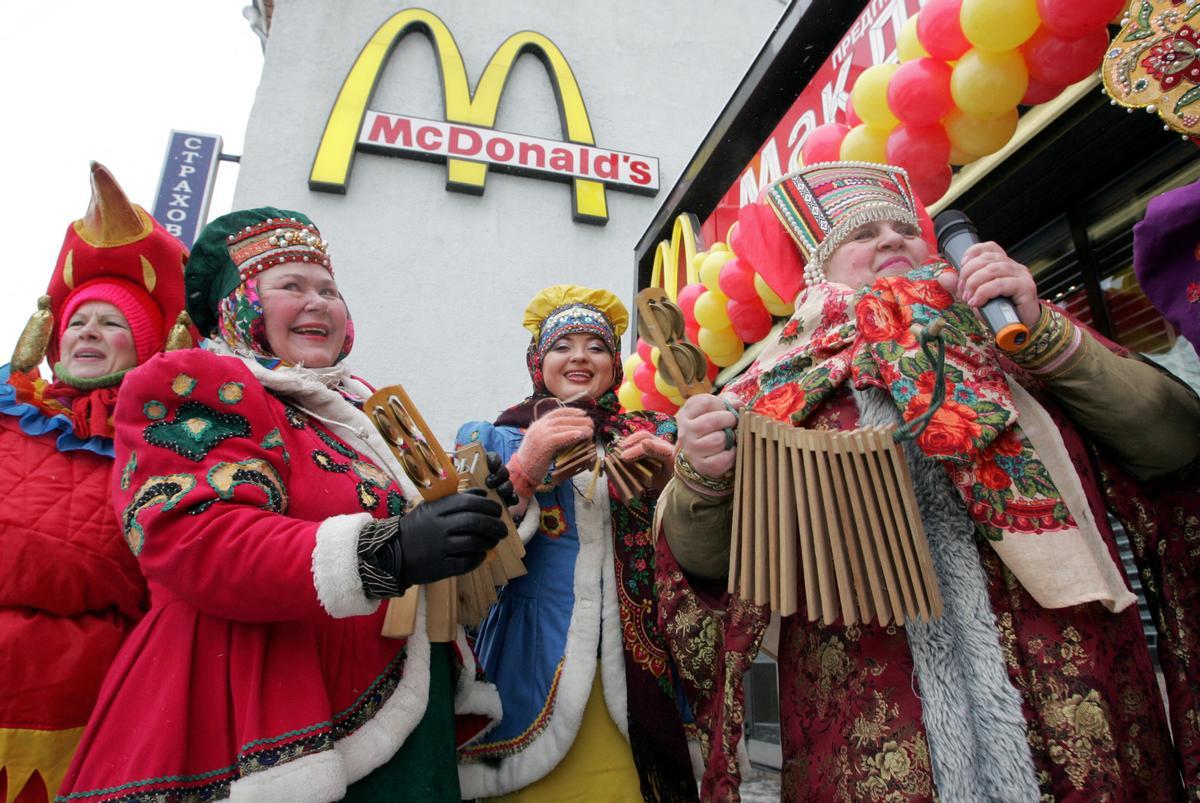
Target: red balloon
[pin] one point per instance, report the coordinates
(653, 400)
(852, 118)
(713, 370)
(823, 144)
(1054, 59)
(1075, 18)
(939, 30)
(921, 150)
(1040, 92)
(643, 377)
(643, 350)
(692, 330)
(686, 301)
(750, 319)
(930, 188)
(919, 92)
(736, 280)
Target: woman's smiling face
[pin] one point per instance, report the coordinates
(97, 341)
(303, 312)
(578, 364)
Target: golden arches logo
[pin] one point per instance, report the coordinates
(677, 255)
(469, 118)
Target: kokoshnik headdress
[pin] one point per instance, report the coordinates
(822, 204)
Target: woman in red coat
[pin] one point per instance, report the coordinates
(266, 515)
(70, 591)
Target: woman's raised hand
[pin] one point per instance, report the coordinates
(705, 423)
(545, 438)
(987, 272)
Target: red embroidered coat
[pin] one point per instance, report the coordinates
(70, 591)
(259, 671)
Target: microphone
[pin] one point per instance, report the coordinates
(955, 233)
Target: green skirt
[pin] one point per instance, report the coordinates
(425, 768)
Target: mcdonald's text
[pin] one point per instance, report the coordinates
(518, 153)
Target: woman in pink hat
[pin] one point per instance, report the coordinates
(70, 590)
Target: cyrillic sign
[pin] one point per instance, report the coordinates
(870, 40)
(466, 140)
(186, 184)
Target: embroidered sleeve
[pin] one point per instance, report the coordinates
(201, 489)
(1053, 347)
(375, 564)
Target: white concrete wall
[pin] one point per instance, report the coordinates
(437, 281)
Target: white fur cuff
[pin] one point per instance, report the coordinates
(335, 567)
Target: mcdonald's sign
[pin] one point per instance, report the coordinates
(466, 140)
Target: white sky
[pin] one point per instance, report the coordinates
(106, 81)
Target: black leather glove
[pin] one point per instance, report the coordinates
(498, 480)
(435, 540)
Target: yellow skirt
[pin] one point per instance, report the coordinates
(597, 769)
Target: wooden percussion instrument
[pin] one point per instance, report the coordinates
(455, 600)
(834, 513)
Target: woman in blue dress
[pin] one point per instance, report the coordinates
(589, 699)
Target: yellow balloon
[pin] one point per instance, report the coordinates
(865, 143)
(631, 363)
(869, 96)
(710, 310)
(908, 46)
(722, 346)
(998, 25)
(710, 269)
(630, 397)
(774, 304)
(986, 84)
(718, 246)
(975, 137)
(654, 355)
(673, 396)
(958, 158)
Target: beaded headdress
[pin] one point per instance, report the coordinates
(565, 309)
(238, 246)
(822, 204)
(276, 241)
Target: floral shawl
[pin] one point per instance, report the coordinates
(1014, 478)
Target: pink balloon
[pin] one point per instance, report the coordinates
(823, 144)
(687, 300)
(750, 319)
(643, 350)
(1054, 59)
(852, 118)
(653, 400)
(643, 377)
(939, 30)
(919, 92)
(921, 150)
(1040, 92)
(1075, 18)
(930, 188)
(928, 233)
(737, 280)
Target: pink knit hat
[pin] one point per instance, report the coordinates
(143, 315)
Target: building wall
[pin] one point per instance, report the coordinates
(437, 281)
